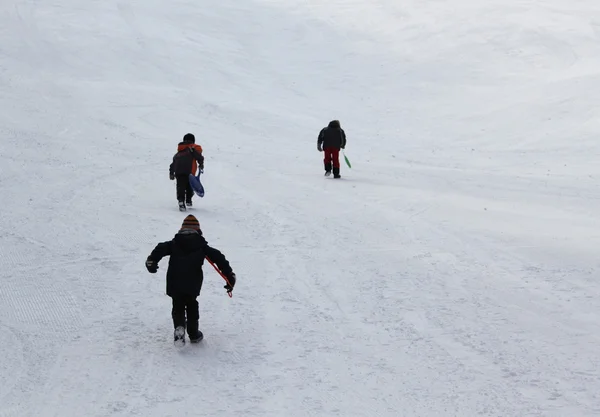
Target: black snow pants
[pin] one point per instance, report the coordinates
(184, 189)
(186, 307)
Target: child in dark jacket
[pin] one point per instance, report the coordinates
(331, 139)
(184, 163)
(187, 251)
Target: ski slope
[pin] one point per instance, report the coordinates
(453, 271)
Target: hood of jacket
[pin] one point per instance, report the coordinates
(189, 240)
(183, 145)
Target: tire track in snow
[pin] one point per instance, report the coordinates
(12, 370)
(48, 305)
(82, 383)
(12, 255)
(23, 399)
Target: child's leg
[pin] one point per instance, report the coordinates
(335, 153)
(327, 159)
(192, 316)
(189, 192)
(335, 156)
(178, 312)
(182, 182)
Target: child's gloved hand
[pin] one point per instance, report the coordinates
(319, 148)
(231, 284)
(151, 266)
(171, 176)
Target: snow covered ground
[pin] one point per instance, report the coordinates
(453, 271)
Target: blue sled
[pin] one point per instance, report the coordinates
(196, 184)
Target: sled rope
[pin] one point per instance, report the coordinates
(222, 275)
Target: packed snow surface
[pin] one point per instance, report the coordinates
(452, 271)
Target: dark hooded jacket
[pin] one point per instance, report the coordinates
(184, 161)
(332, 136)
(186, 254)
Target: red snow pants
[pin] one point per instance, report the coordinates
(332, 155)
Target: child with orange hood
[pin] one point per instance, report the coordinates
(185, 162)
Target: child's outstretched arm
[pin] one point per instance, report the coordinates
(160, 251)
(215, 256)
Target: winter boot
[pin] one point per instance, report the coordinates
(336, 173)
(327, 170)
(179, 336)
(182, 206)
(188, 203)
(193, 332)
(195, 338)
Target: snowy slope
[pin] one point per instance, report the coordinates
(453, 271)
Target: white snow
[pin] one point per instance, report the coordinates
(453, 271)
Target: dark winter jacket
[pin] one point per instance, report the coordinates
(332, 136)
(184, 161)
(187, 251)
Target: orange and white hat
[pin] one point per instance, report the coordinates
(191, 222)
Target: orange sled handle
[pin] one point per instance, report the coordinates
(222, 275)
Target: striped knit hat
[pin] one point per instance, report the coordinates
(191, 222)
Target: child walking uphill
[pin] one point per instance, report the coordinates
(331, 139)
(184, 163)
(187, 251)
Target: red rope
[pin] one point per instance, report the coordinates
(222, 275)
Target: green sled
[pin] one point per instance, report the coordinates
(347, 161)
